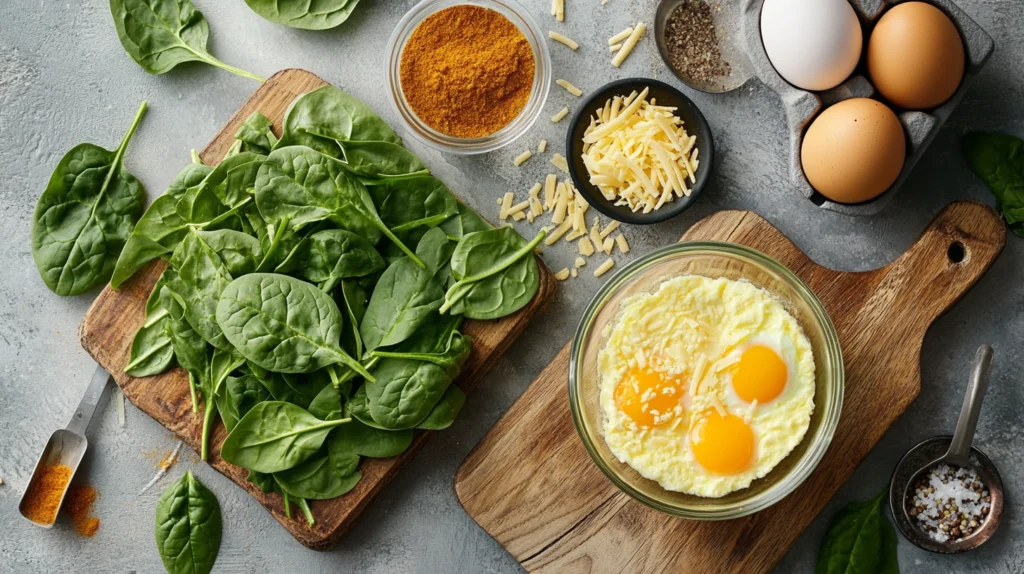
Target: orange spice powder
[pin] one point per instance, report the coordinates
(79, 506)
(467, 71)
(42, 501)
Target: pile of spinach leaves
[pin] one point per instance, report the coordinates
(316, 287)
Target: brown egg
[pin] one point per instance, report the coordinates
(854, 150)
(916, 56)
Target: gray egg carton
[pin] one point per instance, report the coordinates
(802, 106)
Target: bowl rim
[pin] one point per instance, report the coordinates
(519, 126)
(669, 210)
(833, 353)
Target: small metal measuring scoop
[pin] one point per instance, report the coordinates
(958, 452)
(67, 446)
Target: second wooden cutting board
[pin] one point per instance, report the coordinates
(534, 488)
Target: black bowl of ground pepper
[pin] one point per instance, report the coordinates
(665, 95)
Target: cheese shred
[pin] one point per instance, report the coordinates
(569, 87)
(629, 44)
(564, 40)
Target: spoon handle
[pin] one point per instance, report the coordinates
(968, 422)
(83, 414)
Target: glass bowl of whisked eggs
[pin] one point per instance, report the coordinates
(706, 380)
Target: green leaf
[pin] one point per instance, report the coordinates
(322, 118)
(256, 134)
(445, 411)
(327, 475)
(160, 34)
(85, 216)
(305, 14)
(201, 278)
(404, 298)
(188, 527)
(496, 274)
(276, 436)
(407, 203)
(859, 541)
(328, 256)
(364, 440)
(283, 324)
(998, 159)
(405, 392)
(237, 397)
(152, 349)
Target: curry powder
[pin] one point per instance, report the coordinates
(42, 501)
(467, 71)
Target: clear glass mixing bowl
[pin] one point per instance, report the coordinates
(710, 259)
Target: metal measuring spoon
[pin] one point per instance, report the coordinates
(67, 446)
(958, 452)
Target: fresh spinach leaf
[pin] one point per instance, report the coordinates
(364, 440)
(328, 256)
(304, 186)
(435, 250)
(85, 216)
(404, 298)
(355, 300)
(188, 527)
(201, 278)
(496, 274)
(407, 203)
(374, 159)
(256, 134)
(326, 406)
(322, 118)
(327, 475)
(152, 350)
(304, 14)
(405, 392)
(860, 540)
(445, 411)
(358, 408)
(160, 34)
(998, 159)
(276, 436)
(283, 324)
(450, 358)
(237, 397)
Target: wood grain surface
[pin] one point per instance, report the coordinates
(533, 487)
(111, 322)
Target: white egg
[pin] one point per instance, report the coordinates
(813, 44)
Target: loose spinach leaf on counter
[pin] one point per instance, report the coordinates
(998, 159)
(283, 324)
(276, 436)
(160, 34)
(85, 216)
(188, 527)
(496, 274)
(860, 541)
(319, 15)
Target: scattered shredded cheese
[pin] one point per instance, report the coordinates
(620, 241)
(559, 231)
(607, 246)
(506, 204)
(519, 216)
(549, 191)
(580, 262)
(608, 264)
(586, 247)
(569, 87)
(519, 207)
(614, 48)
(618, 38)
(609, 228)
(563, 274)
(573, 273)
(559, 161)
(561, 114)
(542, 146)
(629, 44)
(521, 158)
(558, 9)
(564, 40)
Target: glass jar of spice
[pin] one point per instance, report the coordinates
(473, 124)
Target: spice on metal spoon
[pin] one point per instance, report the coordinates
(43, 500)
(693, 44)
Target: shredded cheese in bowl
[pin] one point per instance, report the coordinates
(638, 153)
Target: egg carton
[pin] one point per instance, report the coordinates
(920, 127)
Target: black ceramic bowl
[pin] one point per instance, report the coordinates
(665, 95)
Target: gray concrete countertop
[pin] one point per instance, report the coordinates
(64, 79)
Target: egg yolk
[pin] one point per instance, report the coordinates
(722, 444)
(759, 375)
(648, 398)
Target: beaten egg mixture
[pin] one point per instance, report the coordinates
(706, 384)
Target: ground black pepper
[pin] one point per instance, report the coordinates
(693, 44)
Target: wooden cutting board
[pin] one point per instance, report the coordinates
(533, 487)
(115, 316)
